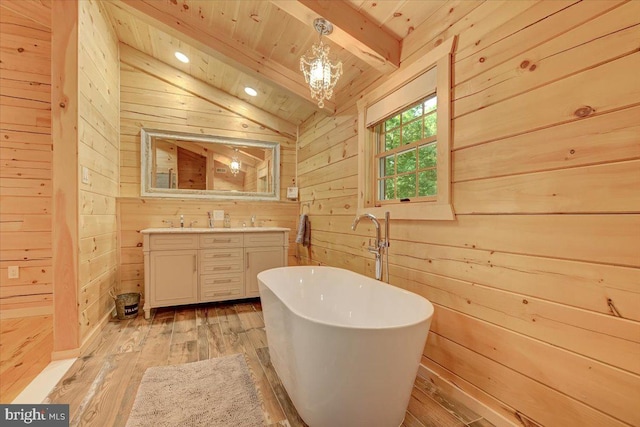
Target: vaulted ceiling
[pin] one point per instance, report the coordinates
(258, 43)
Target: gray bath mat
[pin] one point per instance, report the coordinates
(213, 393)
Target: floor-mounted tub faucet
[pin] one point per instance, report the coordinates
(378, 248)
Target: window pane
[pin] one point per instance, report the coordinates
(430, 104)
(393, 122)
(406, 186)
(427, 156)
(412, 132)
(407, 161)
(428, 181)
(392, 140)
(412, 113)
(430, 124)
(387, 166)
(389, 189)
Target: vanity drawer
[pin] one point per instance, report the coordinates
(221, 260)
(258, 239)
(221, 240)
(221, 287)
(171, 241)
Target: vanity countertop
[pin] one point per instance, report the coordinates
(168, 230)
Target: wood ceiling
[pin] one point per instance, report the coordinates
(234, 44)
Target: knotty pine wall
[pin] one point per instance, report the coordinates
(152, 102)
(26, 327)
(98, 151)
(546, 188)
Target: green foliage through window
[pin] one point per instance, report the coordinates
(407, 153)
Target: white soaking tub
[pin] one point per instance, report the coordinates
(346, 347)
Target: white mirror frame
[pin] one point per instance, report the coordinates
(147, 190)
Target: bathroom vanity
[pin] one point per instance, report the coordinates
(197, 265)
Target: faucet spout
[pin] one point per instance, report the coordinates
(357, 219)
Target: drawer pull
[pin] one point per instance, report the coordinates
(219, 294)
(226, 267)
(195, 263)
(221, 240)
(222, 255)
(222, 281)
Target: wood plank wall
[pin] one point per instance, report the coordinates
(26, 331)
(546, 188)
(98, 152)
(25, 153)
(150, 102)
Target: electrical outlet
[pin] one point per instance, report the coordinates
(218, 215)
(14, 272)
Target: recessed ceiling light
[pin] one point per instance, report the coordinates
(182, 57)
(250, 91)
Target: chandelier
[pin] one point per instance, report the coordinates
(319, 72)
(235, 164)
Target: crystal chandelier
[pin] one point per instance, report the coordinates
(235, 164)
(319, 72)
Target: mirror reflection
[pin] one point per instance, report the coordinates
(179, 165)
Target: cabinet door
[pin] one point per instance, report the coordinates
(257, 260)
(174, 277)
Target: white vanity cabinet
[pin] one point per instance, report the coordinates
(261, 253)
(173, 263)
(193, 265)
(221, 267)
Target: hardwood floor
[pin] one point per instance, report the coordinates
(26, 344)
(101, 385)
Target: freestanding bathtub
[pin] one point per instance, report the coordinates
(346, 347)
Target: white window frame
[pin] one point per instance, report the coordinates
(394, 95)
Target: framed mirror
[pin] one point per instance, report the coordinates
(184, 165)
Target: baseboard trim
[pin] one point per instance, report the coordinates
(94, 333)
(65, 354)
(470, 396)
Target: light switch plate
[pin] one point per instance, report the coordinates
(13, 272)
(85, 175)
(218, 215)
(292, 192)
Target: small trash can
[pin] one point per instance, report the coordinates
(127, 305)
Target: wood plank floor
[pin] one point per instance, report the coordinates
(26, 344)
(101, 385)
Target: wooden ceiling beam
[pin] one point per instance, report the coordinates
(167, 17)
(351, 30)
(175, 77)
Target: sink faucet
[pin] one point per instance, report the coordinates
(253, 220)
(378, 247)
(181, 221)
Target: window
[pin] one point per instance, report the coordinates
(404, 141)
(406, 154)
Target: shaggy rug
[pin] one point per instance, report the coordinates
(212, 393)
